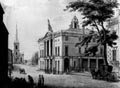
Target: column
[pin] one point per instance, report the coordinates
(97, 59)
(44, 48)
(45, 65)
(62, 63)
(78, 64)
(49, 47)
(81, 64)
(53, 65)
(72, 63)
(53, 48)
(56, 67)
(88, 64)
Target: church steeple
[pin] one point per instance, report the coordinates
(16, 48)
(16, 37)
(74, 23)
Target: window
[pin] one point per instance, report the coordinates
(16, 47)
(75, 25)
(40, 53)
(114, 55)
(80, 38)
(74, 64)
(58, 50)
(66, 50)
(66, 38)
(101, 51)
(16, 53)
(79, 50)
(58, 65)
(93, 39)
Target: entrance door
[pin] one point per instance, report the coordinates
(66, 64)
(93, 63)
(101, 62)
(85, 64)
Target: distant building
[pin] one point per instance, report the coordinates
(35, 58)
(21, 57)
(18, 57)
(57, 51)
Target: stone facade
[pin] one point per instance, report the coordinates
(58, 54)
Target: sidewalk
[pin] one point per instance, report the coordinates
(88, 74)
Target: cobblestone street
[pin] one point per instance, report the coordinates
(74, 80)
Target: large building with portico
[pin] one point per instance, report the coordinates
(57, 51)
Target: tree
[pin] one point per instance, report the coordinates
(35, 58)
(96, 13)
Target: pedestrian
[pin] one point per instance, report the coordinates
(42, 80)
(39, 81)
(31, 81)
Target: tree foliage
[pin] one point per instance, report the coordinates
(96, 13)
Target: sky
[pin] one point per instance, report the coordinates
(30, 18)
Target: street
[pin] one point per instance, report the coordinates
(75, 80)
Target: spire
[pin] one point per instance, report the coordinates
(49, 27)
(16, 34)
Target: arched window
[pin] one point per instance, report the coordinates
(16, 47)
(79, 50)
(75, 25)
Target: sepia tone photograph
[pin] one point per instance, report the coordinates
(60, 44)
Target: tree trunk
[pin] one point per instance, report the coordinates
(105, 54)
(105, 45)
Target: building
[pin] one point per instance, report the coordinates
(18, 57)
(35, 58)
(113, 53)
(57, 51)
(10, 62)
(4, 50)
(10, 57)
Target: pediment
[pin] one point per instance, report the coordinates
(47, 34)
